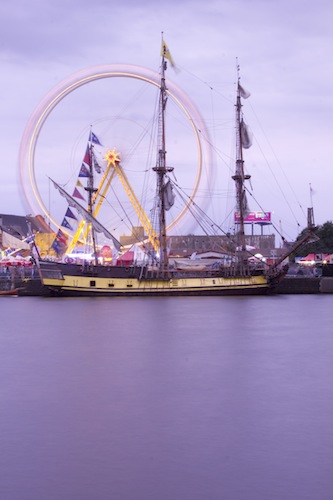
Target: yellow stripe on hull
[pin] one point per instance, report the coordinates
(83, 285)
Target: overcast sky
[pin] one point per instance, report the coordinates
(284, 49)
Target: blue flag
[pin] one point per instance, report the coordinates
(60, 243)
(70, 214)
(65, 223)
(93, 138)
(84, 172)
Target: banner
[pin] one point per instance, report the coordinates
(254, 218)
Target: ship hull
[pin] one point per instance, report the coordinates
(125, 282)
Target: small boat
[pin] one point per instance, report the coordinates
(189, 265)
(155, 276)
(13, 291)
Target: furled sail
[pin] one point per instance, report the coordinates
(246, 135)
(86, 215)
(245, 205)
(243, 92)
(169, 195)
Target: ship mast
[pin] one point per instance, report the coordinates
(240, 177)
(161, 168)
(91, 191)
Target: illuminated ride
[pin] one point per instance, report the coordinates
(98, 195)
(29, 183)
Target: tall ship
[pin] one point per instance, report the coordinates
(158, 275)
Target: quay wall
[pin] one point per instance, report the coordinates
(299, 285)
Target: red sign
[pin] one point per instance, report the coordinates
(255, 218)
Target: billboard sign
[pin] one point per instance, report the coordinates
(255, 218)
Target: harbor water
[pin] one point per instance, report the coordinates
(166, 398)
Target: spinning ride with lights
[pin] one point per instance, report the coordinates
(37, 202)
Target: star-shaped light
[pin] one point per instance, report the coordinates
(112, 156)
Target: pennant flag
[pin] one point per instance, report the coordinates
(79, 184)
(243, 93)
(77, 194)
(93, 138)
(84, 172)
(86, 215)
(60, 243)
(56, 246)
(70, 214)
(97, 166)
(61, 237)
(66, 224)
(165, 52)
(87, 157)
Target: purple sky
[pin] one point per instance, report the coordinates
(284, 49)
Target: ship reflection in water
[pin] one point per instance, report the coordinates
(177, 398)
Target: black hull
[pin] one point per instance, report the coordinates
(175, 293)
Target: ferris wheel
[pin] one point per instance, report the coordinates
(46, 142)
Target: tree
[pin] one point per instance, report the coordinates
(323, 245)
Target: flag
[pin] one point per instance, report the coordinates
(97, 166)
(60, 243)
(79, 184)
(70, 214)
(66, 224)
(61, 237)
(165, 52)
(93, 138)
(87, 157)
(56, 246)
(84, 172)
(77, 194)
(242, 92)
(312, 191)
